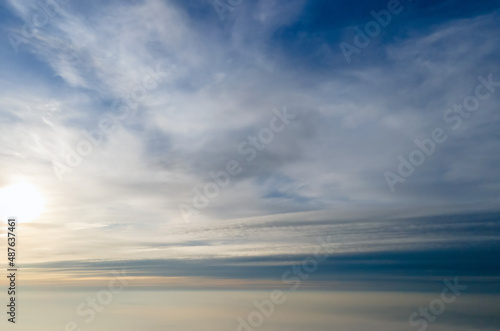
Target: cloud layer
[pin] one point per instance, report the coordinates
(135, 104)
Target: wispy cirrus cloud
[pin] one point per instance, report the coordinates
(220, 85)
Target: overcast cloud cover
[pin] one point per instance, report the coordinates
(210, 85)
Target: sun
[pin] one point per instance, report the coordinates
(21, 200)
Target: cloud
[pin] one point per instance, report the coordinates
(221, 84)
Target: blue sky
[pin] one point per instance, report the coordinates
(119, 112)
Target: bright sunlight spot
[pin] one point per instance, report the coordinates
(21, 200)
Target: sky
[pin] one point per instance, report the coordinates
(252, 145)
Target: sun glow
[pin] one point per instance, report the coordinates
(21, 200)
